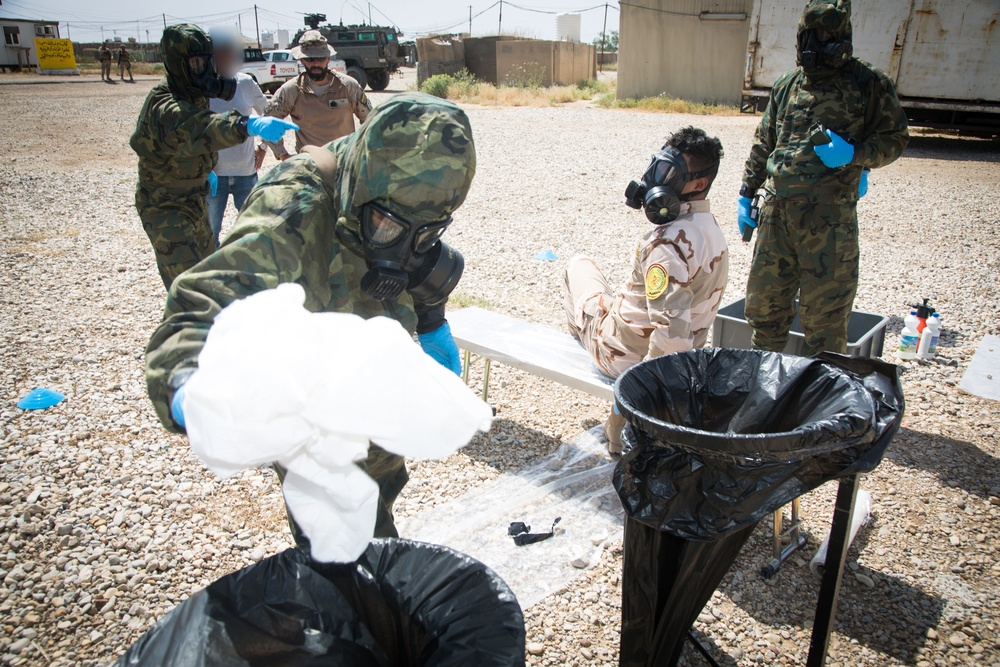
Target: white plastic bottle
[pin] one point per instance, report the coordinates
(909, 337)
(930, 337)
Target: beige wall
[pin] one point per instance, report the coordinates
(561, 63)
(664, 47)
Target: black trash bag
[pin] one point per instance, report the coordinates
(715, 440)
(402, 604)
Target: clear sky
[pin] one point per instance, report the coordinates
(129, 18)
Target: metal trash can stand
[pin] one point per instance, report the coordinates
(716, 440)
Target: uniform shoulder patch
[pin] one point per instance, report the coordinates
(656, 280)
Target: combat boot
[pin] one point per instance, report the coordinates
(613, 432)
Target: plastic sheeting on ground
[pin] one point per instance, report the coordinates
(403, 604)
(717, 439)
(573, 483)
(279, 384)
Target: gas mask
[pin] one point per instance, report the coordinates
(658, 191)
(204, 77)
(403, 254)
(821, 50)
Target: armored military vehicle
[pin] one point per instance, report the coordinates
(371, 53)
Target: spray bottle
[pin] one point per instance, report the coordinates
(909, 337)
(924, 310)
(929, 337)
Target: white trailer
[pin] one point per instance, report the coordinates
(943, 55)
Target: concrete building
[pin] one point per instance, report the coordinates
(19, 41)
(688, 49)
(507, 60)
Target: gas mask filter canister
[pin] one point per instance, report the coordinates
(658, 191)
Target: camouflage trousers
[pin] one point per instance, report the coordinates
(389, 472)
(179, 229)
(588, 301)
(807, 248)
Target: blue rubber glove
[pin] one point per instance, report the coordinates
(213, 183)
(863, 183)
(269, 128)
(440, 345)
(177, 406)
(743, 214)
(837, 153)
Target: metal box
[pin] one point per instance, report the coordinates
(865, 331)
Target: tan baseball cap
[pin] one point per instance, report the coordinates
(312, 44)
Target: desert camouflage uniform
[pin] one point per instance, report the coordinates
(679, 274)
(808, 226)
(104, 54)
(177, 139)
(321, 118)
(415, 155)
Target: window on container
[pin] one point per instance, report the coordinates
(346, 37)
(11, 35)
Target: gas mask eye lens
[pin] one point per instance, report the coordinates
(380, 227)
(198, 65)
(426, 238)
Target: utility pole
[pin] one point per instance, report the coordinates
(470, 21)
(500, 25)
(370, 14)
(604, 36)
(257, 22)
(138, 35)
(102, 34)
(239, 23)
(164, 21)
(69, 35)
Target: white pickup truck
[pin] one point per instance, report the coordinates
(269, 74)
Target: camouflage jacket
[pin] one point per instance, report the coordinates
(679, 274)
(858, 102)
(177, 137)
(415, 154)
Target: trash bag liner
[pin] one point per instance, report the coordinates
(715, 440)
(401, 604)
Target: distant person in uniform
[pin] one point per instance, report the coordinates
(808, 238)
(104, 55)
(237, 166)
(125, 62)
(323, 103)
(679, 269)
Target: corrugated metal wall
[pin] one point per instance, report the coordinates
(670, 46)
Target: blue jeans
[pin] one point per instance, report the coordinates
(237, 186)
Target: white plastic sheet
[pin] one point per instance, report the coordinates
(279, 384)
(574, 483)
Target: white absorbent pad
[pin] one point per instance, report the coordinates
(309, 391)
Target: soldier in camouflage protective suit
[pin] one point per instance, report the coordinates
(318, 220)
(808, 239)
(177, 139)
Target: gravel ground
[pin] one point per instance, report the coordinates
(106, 521)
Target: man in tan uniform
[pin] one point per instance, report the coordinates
(679, 270)
(323, 103)
(104, 55)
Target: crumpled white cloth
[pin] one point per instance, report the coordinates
(279, 384)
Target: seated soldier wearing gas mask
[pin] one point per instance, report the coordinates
(679, 270)
(358, 224)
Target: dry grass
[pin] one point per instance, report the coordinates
(465, 88)
(666, 104)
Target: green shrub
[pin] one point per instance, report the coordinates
(528, 75)
(438, 85)
(593, 86)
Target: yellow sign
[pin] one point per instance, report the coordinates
(55, 53)
(656, 281)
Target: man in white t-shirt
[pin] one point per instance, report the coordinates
(237, 167)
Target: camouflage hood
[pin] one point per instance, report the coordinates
(177, 44)
(833, 16)
(414, 154)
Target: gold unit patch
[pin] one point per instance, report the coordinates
(656, 281)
